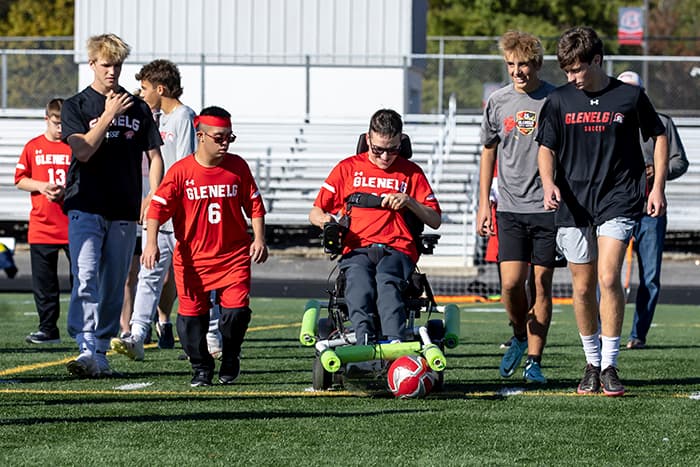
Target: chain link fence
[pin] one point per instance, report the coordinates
(32, 71)
(673, 83)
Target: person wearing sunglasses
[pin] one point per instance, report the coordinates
(379, 253)
(207, 195)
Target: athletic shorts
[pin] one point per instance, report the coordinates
(580, 244)
(526, 237)
(137, 247)
(236, 295)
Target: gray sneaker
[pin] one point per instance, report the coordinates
(41, 337)
(512, 358)
(84, 366)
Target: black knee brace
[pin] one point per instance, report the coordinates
(233, 325)
(192, 331)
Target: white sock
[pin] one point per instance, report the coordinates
(591, 347)
(139, 331)
(610, 351)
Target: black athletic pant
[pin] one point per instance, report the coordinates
(44, 262)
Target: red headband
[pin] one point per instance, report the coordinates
(212, 120)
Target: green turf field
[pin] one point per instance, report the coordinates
(270, 417)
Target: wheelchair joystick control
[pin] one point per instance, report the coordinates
(332, 238)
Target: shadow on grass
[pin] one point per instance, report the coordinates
(268, 340)
(44, 349)
(203, 416)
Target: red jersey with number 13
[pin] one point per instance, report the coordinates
(207, 206)
(45, 161)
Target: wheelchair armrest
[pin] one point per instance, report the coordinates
(428, 242)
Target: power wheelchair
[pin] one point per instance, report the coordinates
(338, 360)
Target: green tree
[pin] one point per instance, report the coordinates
(547, 19)
(34, 79)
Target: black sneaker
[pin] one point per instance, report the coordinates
(201, 378)
(229, 372)
(590, 383)
(41, 337)
(166, 340)
(610, 382)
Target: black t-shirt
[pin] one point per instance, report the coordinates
(600, 166)
(109, 184)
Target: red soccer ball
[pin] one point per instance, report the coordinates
(410, 377)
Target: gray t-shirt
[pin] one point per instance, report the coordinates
(677, 159)
(178, 135)
(510, 120)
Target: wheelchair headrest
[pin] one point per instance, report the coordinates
(405, 150)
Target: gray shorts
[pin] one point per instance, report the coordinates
(580, 244)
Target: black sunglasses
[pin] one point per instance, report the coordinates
(378, 150)
(220, 139)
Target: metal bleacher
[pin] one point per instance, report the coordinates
(290, 179)
(15, 131)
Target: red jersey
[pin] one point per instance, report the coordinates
(45, 161)
(369, 225)
(207, 206)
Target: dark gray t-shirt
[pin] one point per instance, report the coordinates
(510, 120)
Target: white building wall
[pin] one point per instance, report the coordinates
(249, 56)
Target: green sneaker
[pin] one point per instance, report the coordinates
(512, 358)
(533, 372)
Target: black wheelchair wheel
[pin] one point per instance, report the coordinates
(321, 379)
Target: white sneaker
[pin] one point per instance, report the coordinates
(129, 346)
(84, 366)
(214, 344)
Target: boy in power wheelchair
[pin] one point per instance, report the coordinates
(372, 208)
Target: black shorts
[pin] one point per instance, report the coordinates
(527, 237)
(137, 246)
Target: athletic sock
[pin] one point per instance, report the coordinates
(591, 348)
(139, 331)
(610, 351)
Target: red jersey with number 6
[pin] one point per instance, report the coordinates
(45, 161)
(207, 206)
